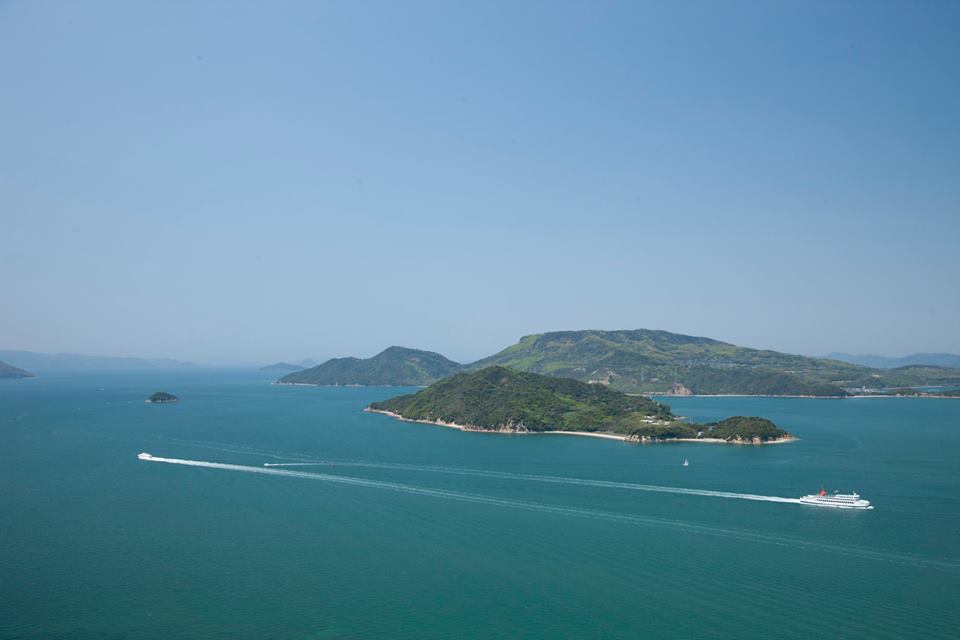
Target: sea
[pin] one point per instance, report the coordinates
(289, 512)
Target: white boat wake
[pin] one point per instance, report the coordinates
(608, 484)
(611, 516)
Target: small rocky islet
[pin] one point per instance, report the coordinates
(162, 397)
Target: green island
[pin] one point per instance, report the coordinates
(10, 371)
(162, 397)
(649, 361)
(394, 366)
(500, 399)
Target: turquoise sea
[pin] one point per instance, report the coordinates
(415, 531)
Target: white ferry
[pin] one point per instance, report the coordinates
(836, 500)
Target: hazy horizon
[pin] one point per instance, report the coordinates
(240, 182)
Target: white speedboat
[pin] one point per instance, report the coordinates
(836, 500)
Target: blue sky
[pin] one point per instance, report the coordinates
(261, 181)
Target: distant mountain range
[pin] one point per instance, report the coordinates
(286, 366)
(281, 366)
(884, 362)
(54, 362)
(9, 371)
(395, 366)
(636, 361)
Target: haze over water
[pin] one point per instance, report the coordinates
(412, 531)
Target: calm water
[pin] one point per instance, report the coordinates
(97, 544)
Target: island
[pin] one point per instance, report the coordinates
(503, 400)
(10, 371)
(394, 367)
(733, 430)
(281, 366)
(162, 397)
(660, 362)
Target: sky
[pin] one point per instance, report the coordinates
(263, 181)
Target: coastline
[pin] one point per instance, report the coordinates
(919, 395)
(741, 395)
(311, 384)
(751, 443)
(760, 395)
(649, 395)
(607, 436)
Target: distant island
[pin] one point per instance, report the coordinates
(659, 362)
(10, 371)
(499, 399)
(282, 366)
(951, 360)
(639, 361)
(43, 363)
(395, 366)
(162, 397)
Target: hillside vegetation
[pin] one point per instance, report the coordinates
(648, 361)
(501, 398)
(395, 366)
(733, 429)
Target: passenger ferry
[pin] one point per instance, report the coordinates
(836, 500)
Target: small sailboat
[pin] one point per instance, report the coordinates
(686, 462)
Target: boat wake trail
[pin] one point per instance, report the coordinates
(610, 516)
(582, 482)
